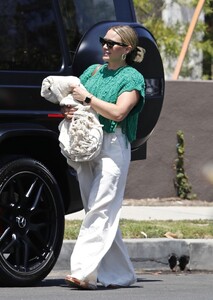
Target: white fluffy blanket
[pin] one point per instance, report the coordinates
(80, 139)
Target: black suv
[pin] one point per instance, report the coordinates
(39, 38)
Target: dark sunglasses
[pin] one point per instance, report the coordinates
(110, 44)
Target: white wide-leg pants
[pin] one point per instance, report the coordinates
(99, 253)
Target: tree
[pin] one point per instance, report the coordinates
(170, 35)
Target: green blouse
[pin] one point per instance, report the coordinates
(108, 85)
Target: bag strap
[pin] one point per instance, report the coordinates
(96, 69)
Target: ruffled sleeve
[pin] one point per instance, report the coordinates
(136, 83)
(129, 124)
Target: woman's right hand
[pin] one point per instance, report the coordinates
(68, 111)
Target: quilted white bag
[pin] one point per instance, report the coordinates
(81, 138)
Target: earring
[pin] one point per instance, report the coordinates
(123, 56)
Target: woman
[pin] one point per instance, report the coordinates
(116, 92)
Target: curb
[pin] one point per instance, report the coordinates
(152, 254)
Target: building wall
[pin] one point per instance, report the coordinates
(188, 106)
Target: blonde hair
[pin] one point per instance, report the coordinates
(129, 37)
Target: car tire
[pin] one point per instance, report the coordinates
(31, 221)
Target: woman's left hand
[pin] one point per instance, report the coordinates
(79, 93)
(68, 111)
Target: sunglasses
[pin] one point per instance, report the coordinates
(110, 44)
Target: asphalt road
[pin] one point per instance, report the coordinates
(150, 286)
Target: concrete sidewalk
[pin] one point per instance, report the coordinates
(152, 254)
(159, 213)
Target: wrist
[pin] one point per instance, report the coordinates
(88, 98)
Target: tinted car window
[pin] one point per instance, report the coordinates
(79, 16)
(28, 36)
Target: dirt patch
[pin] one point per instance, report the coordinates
(172, 201)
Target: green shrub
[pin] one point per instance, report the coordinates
(181, 181)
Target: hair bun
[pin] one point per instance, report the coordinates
(140, 52)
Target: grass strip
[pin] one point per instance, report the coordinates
(183, 229)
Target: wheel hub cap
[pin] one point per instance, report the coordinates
(21, 221)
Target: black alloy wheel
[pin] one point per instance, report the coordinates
(31, 222)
